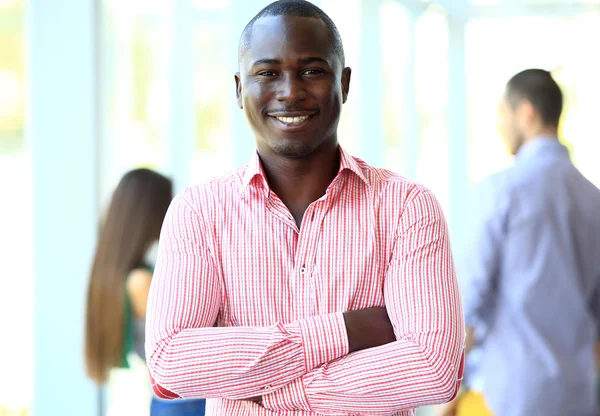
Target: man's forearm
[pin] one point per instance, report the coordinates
(378, 381)
(366, 328)
(241, 362)
(255, 361)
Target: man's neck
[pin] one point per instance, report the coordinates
(541, 132)
(299, 182)
(549, 133)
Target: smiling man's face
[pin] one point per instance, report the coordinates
(292, 85)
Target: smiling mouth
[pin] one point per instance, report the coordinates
(292, 121)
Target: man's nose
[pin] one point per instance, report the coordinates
(291, 89)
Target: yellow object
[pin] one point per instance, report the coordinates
(472, 404)
(5, 411)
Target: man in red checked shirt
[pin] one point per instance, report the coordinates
(306, 282)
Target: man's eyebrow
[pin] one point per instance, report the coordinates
(308, 60)
(311, 60)
(266, 62)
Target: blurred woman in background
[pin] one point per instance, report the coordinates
(117, 295)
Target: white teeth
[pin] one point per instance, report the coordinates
(292, 120)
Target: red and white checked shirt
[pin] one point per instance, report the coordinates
(245, 304)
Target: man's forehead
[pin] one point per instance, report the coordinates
(278, 34)
(282, 22)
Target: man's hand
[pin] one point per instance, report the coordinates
(368, 328)
(447, 409)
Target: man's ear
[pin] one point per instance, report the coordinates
(238, 90)
(346, 75)
(527, 110)
(526, 115)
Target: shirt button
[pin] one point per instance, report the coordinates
(267, 387)
(303, 270)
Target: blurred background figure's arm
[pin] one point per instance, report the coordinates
(598, 356)
(595, 309)
(479, 260)
(477, 267)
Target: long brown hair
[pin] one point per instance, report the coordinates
(132, 224)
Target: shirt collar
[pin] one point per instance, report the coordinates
(541, 144)
(347, 162)
(255, 169)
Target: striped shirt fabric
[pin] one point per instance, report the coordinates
(244, 303)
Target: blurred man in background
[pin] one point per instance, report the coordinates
(531, 277)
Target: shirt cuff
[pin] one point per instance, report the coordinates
(291, 397)
(324, 338)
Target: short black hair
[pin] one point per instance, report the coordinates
(298, 8)
(539, 88)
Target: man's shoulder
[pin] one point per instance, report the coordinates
(491, 197)
(498, 183)
(215, 188)
(388, 183)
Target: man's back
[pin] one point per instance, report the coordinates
(538, 354)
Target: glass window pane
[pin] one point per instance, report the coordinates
(134, 114)
(16, 291)
(396, 47)
(214, 94)
(346, 16)
(135, 89)
(432, 100)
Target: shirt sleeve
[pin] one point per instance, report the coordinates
(189, 357)
(479, 257)
(424, 366)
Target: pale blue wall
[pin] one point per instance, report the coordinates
(61, 131)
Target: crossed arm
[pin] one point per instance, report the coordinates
(323, 363)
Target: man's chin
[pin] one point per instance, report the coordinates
(293, 149)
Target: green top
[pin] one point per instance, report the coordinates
(128, 318)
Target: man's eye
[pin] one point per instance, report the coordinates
(313, 72)
(267, 74)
